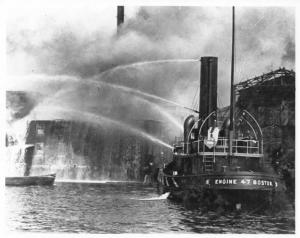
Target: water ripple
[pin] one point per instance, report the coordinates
(108, 208)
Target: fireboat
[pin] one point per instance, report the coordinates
(220, 159)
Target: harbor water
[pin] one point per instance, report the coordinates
(123, 207)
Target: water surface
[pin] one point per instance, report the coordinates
(119, 207)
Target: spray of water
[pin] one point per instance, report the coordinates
(163, 112)
(161, 197)
(144, 63)
(14, 159)
(49, 84)
(95, 118)
(154, 106)
(139, 64)
(99, 120)
(139, 95)
(142, 94)
(38, 82)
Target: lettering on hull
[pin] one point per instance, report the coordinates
(243, 182)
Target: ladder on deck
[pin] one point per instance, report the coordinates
(208, 162)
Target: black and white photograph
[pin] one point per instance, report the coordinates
(141, 117)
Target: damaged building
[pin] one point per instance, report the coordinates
(82, 150)
(77, 150)
(270, 98)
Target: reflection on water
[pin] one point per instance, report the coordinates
(120, 208)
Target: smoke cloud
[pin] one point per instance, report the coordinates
(61, 51)
(159, 33)
(19, 104)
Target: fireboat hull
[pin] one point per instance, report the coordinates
(30, 180)
(251, 189)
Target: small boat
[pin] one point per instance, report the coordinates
(30, 180)
(27, 179)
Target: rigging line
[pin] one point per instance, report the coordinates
(197, 92)
(242, 64)
(243, 61)
(223, 113)
(238, 48)
(218, 104)
(197, 104)
(242, 76)
(252, 26)
(194, 102)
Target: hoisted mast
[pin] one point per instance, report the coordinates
(232, 95)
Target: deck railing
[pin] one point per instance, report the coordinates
(239, 147)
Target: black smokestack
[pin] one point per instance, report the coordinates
(120, 16)
(208, 87)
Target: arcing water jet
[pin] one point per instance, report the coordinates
(92, 117)
(143, 94)
(163, 112)
(143, 63)
(34, 82)
(99, 120)
(159, 109)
